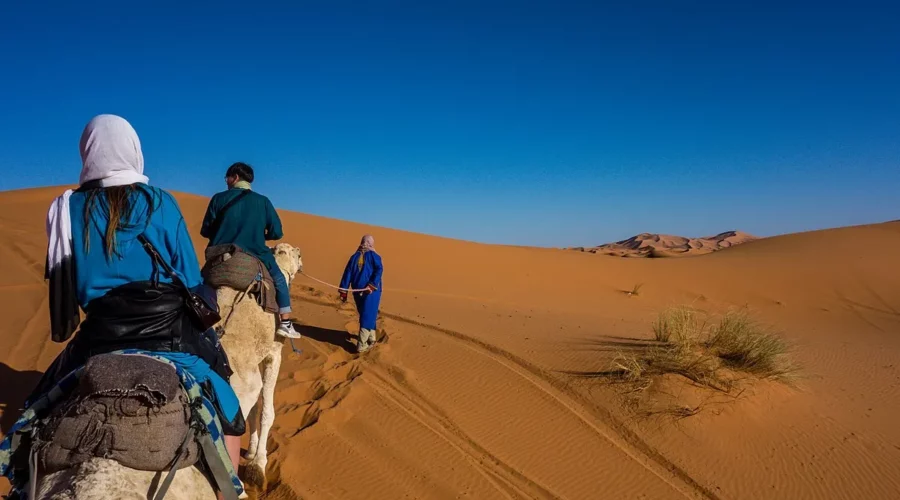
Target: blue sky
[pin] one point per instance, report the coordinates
(540, 123)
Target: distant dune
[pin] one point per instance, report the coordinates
(480, 392)
(664, 245)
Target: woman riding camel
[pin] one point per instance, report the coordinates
(102, 241)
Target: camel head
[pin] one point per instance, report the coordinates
(288, 259)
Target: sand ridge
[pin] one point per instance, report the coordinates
(470, 393)
(665, 245)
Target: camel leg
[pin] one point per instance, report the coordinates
(247, 387)
(270, 367)
(253, 427)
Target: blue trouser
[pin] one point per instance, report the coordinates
(282, 292)
(367, 306)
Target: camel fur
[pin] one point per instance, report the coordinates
(248, 335)
(254, 351)
(100, 479)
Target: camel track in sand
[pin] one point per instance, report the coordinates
(510, 483)
(599, 420)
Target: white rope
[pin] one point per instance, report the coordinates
(351, 290)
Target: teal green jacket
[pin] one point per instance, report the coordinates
(248, 223)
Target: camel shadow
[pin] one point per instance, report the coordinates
(337, 338)
(15, 387)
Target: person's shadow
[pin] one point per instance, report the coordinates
(15, 386)
(337, 338)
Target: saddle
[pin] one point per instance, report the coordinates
(228, 265)
(131, 406)
(131, 409)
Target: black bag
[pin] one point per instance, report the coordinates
(204, 311)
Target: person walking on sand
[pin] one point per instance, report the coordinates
(247, 219)
(363, 272)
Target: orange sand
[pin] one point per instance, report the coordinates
(470, 396)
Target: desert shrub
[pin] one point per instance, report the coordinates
(686, 344)
(743, 344)
(680, 325)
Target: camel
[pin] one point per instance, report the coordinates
(254, 351)
(101, 478)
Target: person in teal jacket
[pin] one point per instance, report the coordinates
(249, 220)
(363, 272)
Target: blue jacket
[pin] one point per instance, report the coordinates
(248, 223)
(360, 277)
(96, 273)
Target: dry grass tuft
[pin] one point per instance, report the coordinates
(712, 356)
(681, 325)
(639, 367)
(743, 344)
(629, 368)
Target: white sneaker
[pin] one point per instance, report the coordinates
(286, 329)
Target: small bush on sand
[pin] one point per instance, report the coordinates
(680, 325)
(690, 363)
(709, 356)
(742, 344)
(639, 367)
(629, 368)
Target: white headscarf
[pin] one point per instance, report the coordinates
(367, 243)
(111, 152)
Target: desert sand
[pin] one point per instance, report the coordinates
(666, 245)
(473, 394)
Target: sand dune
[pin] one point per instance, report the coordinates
(471, 393)
(665, 245)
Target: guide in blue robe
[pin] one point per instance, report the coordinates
(364, 271)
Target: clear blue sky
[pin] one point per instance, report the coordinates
(549, 123)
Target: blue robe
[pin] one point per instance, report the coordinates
(356, 276)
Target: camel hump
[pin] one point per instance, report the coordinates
(131, 409)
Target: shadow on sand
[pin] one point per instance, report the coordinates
(15, 386)
(337, 338)
(611, 346)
